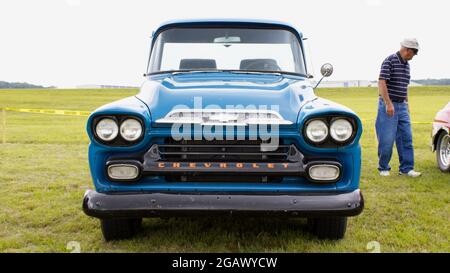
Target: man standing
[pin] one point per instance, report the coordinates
(393, 122)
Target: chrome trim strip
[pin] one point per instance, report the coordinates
(213, 117)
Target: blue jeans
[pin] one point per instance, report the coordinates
(396, 128)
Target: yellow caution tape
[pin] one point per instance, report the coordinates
(49, 111)
(421, 122)
(372, 120)
(87, 113)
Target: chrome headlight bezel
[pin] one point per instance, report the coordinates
(333, 133)
(307, 133)
(115, 127)
(331, 142)
(119, 140)
(122, 128)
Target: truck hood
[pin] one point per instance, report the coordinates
(282, 94)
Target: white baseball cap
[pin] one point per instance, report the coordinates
(410, 43)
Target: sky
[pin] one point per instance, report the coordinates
(67, 43)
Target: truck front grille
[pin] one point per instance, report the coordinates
(236, 151)
(222, 151)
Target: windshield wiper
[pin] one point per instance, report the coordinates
(175, 72)
(254, 72)
(267, 72)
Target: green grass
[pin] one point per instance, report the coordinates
(44, 173)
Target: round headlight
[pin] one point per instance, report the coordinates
(131, 129)
(107, 129)
(341, 130)
(317, 131)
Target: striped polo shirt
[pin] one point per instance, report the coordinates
(397, 75)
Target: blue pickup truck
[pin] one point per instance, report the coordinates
(226, 123)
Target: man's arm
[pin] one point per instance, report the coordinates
(382, 89)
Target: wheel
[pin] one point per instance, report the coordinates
(443, 152)
(117, 229)
(328, 227)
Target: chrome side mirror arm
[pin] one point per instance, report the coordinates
(326, 70)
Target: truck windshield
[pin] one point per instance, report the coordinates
(235, 49)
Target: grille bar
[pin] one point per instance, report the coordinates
(213, 153)
(228, 152)
(223, 161)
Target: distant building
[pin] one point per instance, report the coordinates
(96, 86)
(354, 83)
(413, 83)
(345, 84)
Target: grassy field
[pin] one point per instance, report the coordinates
(44, 173)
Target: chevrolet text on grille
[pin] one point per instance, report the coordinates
(222, 165)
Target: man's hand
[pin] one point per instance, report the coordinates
(382, 88)
(390, 108)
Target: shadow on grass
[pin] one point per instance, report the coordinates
(234, 234)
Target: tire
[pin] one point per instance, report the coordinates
(332, 228)
(118, 229)
(443, 152)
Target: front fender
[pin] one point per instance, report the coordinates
(321, 107)
(349, 154)
(437, 129)
(132, 106)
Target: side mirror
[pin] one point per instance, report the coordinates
(326, 70)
